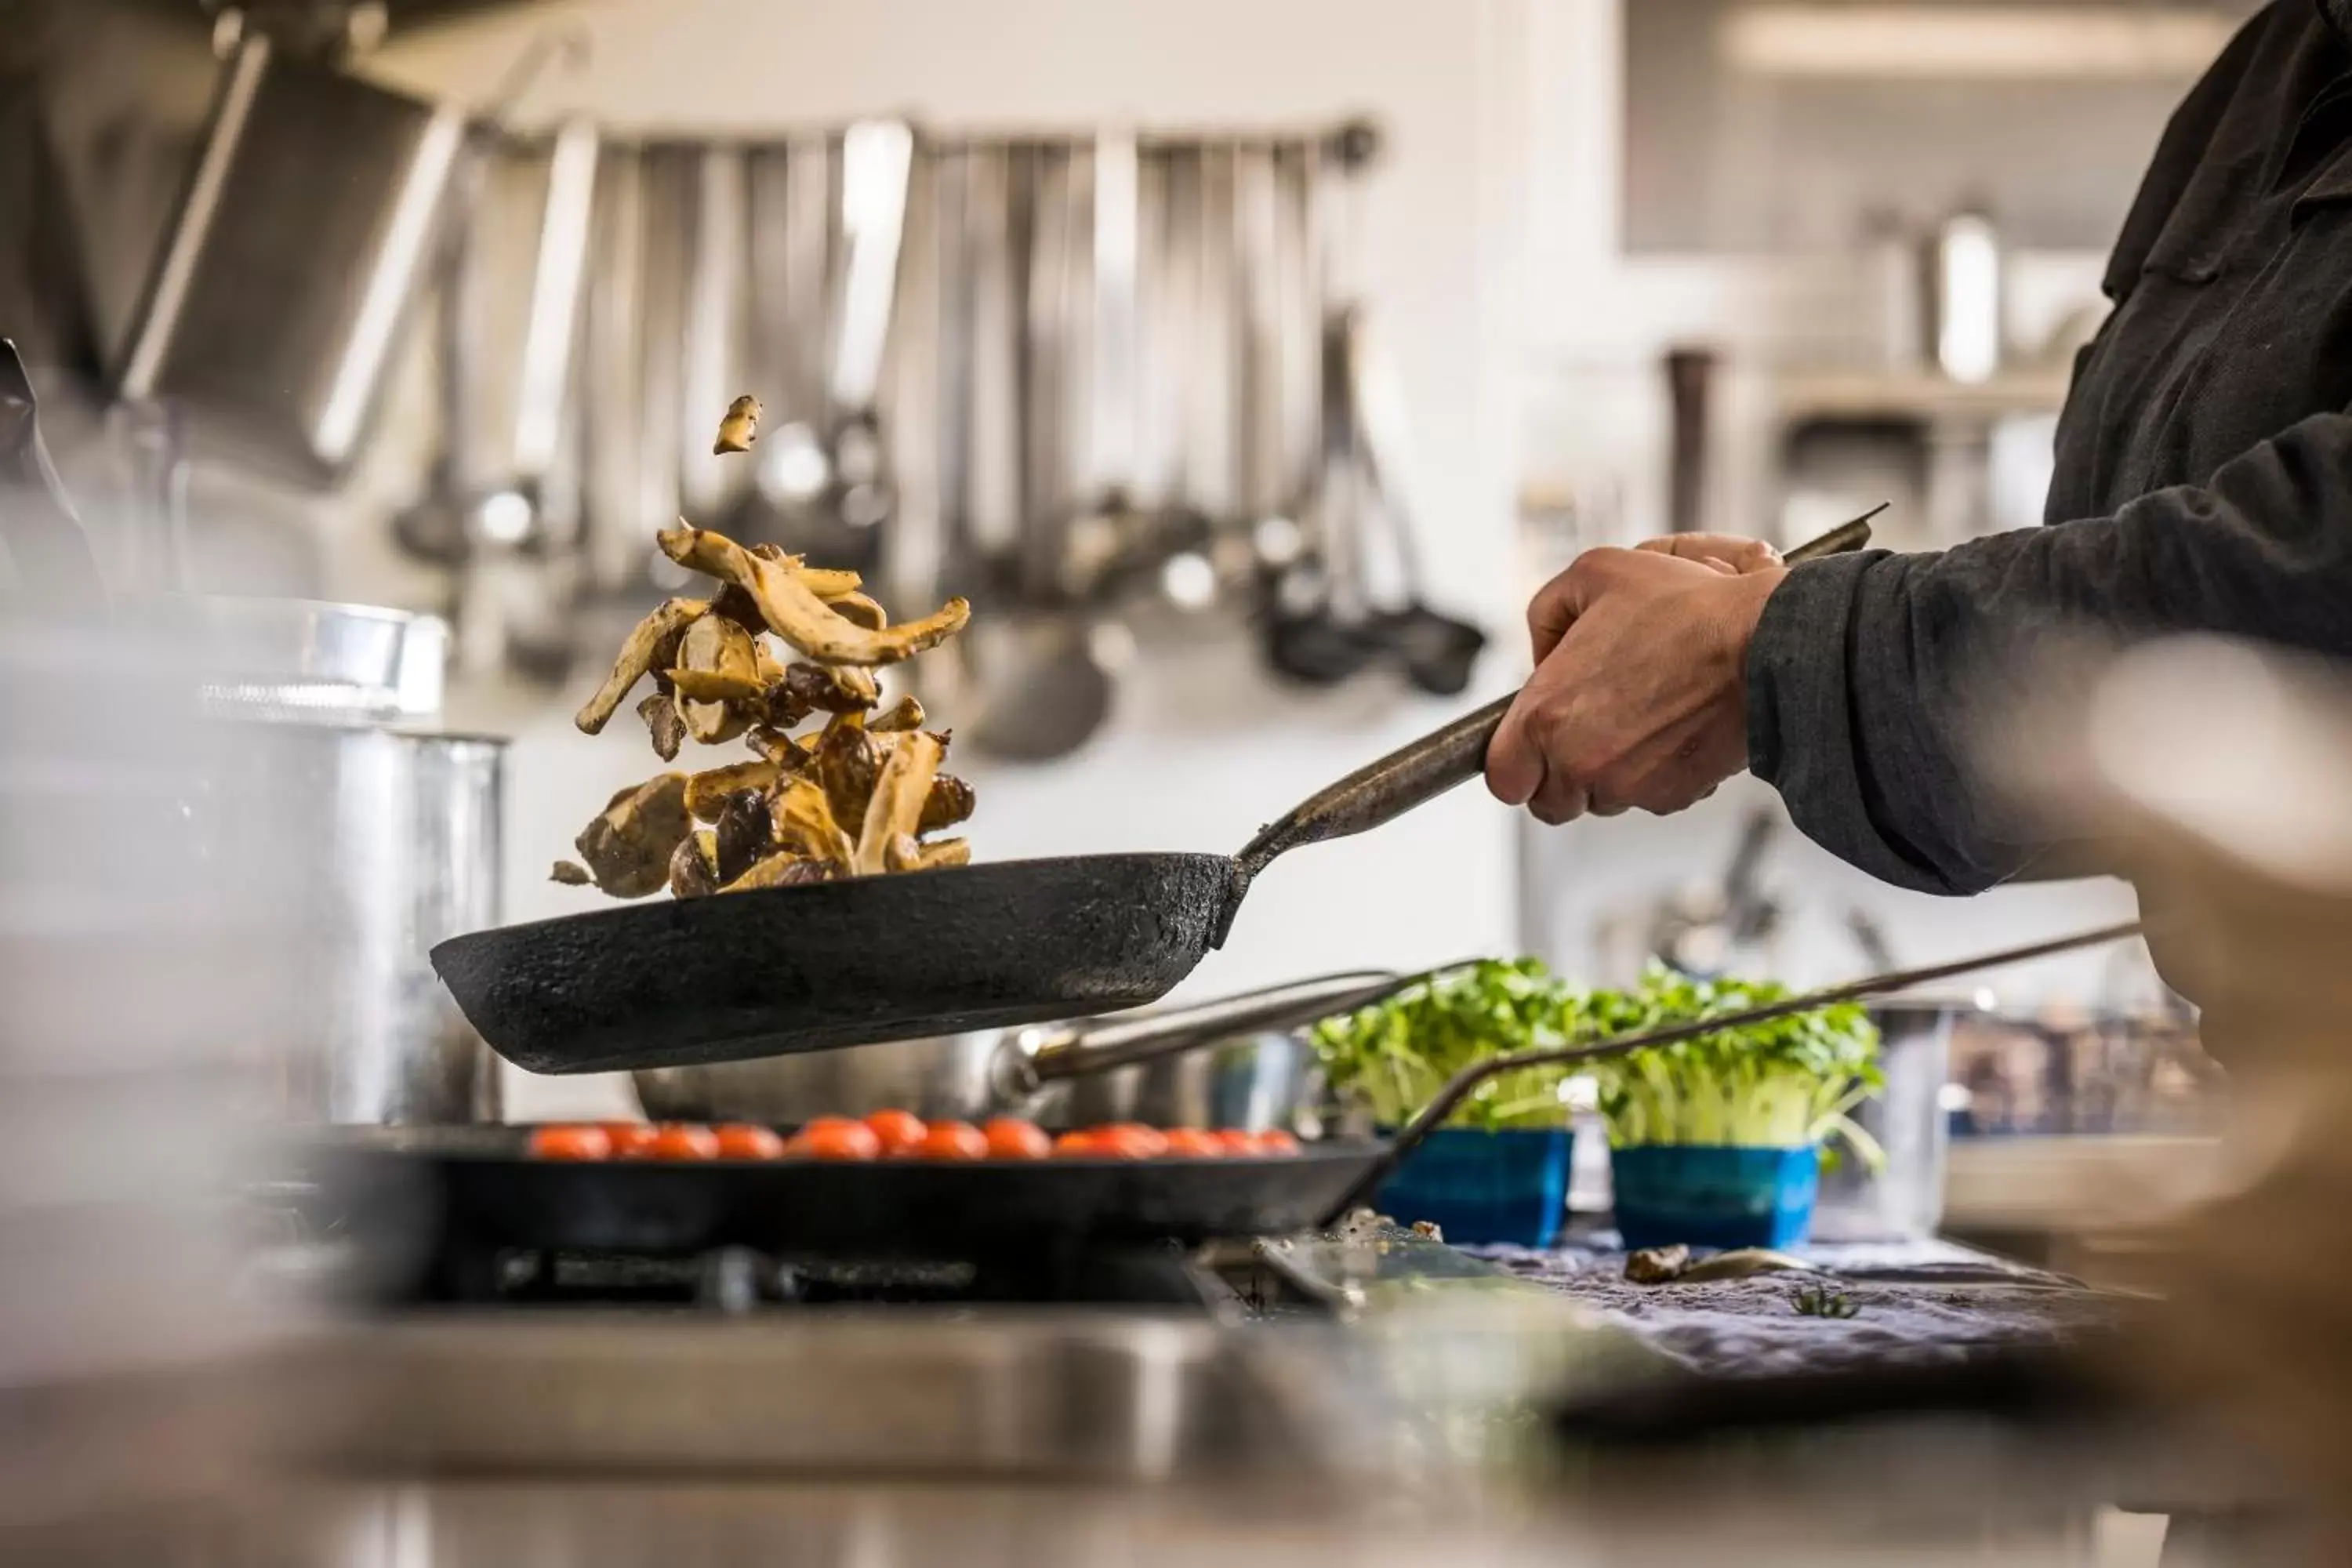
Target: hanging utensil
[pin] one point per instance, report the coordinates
(853, 496)
(1047, 674)
(50, 555)
(1438, 652)
(880, 958)
(789, 199)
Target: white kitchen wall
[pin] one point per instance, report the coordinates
(1203, 749)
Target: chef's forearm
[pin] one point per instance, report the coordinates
(1873, 681)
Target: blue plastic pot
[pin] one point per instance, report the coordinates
(1481, 1187)
(1714, 1195)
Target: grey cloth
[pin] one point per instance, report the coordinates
(2203, 482)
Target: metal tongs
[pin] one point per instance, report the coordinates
(54, 567)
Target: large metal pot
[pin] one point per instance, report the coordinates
(1121, 1067)
(398, 833)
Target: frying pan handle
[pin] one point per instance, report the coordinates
(1039, 1056)
(1420, 771)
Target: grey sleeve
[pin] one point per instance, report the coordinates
(1869, 675)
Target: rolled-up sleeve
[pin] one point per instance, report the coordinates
(1872, 679)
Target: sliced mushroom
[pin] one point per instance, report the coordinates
(707, 792)
(949, 802)
(825, 583)
(784, 869)
(718, 662)
(796, 612)
(739, 607)
(904, 715)
(788, 754)
(694, 866)
(804, 820)
(897, 805)
(627, 849)
(825, 689)
(945, 852)
(652, 644)
(663, 724)
(848, 762)
(859, 610)
(740, 429)
(902, 854)
(745, 834)
(571, 873)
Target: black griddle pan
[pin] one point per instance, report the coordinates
(781, 970)
(480, 1186)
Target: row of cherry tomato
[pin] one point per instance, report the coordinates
(894, 1134)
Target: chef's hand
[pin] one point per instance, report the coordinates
(1639, 696)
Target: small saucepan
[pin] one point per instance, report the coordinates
(1096, 1069)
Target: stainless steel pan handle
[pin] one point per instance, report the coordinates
(1034, 1058)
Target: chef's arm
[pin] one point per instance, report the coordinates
(1873, 678)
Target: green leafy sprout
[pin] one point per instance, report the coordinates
(1785, 1084)
(1819, 1301)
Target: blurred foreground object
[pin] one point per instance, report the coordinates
(144, 906)
(2214, 777)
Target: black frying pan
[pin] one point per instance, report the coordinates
(760, 973)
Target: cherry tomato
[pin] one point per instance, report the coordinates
(1137, 1141)
(570, 1143)
(953, 1141)
(1123, 1143)
(835, 1138)
(631, 1140)
(682, 1140)
(899, 1132)
(1086, 1144)
(1276, 1142)
(1010, 1137)
(742, 1140)
(1191, 1143)
(1236, 1141)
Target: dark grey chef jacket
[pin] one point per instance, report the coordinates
(2203, 483)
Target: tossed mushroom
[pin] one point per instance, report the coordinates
(823, 688)
(784, 869)
(718, 662)
(745, 834)
(945, 852)
(804, 822)
(627, 849)
(896, 808)
(651, 645)
(571, 873)
(694, 866)
(848, 762)
(949, 802)
(740, 429)
(827, 584)
(774, 746)
(706, 792)
(904, 715)
(797, 613)
(663, 724)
